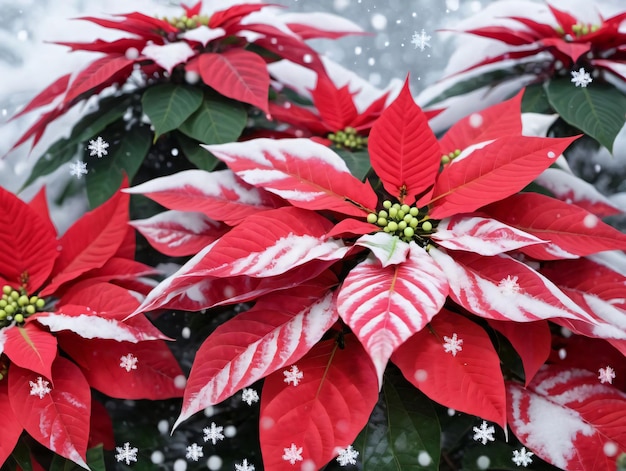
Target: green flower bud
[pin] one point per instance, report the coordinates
(19, 318)
(400, 214)
(397, 206)
(393, 226)
(409, 232)
(30, 309)
(427, 226)
(414, 222)
(457, 152)
(3, 303)
(408, 218)
(6, 289)
(386, 204)
(9, 310)
(402, 225)
(40, 303)
(406, 208)
(14, 295)
(414, 211)
(386, 228)
(22, 300)
(382, 214)
(594, 28)
(3, 314)
(33, 299)
(382, 222)
(371, 218)
(585, 29)
(445, 159)
(393, 212)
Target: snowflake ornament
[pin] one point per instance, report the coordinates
(128, 362)
(606, 375)
(522, 457)
(98, 147)
(421, 40)
(581, 78)
(347, 456)
(249, 396)
(452, 344)
(292, 454)
(293, 375)
(39, 388)
(244, 466)
(213, 433)
(194, 452)
(78, 169)
(484, 433)
(126, 453)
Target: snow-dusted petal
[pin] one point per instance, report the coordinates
(388, 249)
(481, 235)
(169, 55)
(203, 34)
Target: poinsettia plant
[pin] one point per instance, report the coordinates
(62, 328)
(422, 265)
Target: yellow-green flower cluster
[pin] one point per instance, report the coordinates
(348, 138)
(579, 29)
(15, 306)
(184, 23)
(404, 221)
(447, 158)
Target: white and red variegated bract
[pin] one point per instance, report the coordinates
(445, 237)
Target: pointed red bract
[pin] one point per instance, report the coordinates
(58, 419)
(404, 152)
(569, 419)
(492, 173)
(99, 74)
(385, 306)
(335, 105)
(305, 173)
(52, 91)
(39, 204)
(31, 348)
(469, 381)
(324, 412)
(11, 426)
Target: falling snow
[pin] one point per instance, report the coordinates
(347, 456)
(249, 396)
(194, 452)
(292, 454)
(606, 375)
(244, 466)
(78, 169)
(129, 362)
(39, 388)
(581, 78)
(452, 344)
(293, 375)
(213, 433)
(484, 433)
(126, 453)
(98, 147)
(421, 40)
(522, 457)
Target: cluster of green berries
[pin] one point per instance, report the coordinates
(447, 158)
(348, 138)
(579, 29)
(17, 305)
(407, 222)
(185, 23)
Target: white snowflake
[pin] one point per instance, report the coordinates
(126, 453)
(98, 147)
(292, 454)
(250, 396)
(421, 40)
(509, 286)
(40, 388)
(78, 169)
(581, 78)
(484, 433)
(347, 456)
(194, 452)
(522, 457)
(213, 433)
(452, 344)
(244, 466)
(606, 375)
(293, 375)
(129, 362)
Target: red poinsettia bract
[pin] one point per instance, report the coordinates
(71, 294)
(447, 237)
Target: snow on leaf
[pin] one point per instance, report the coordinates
(292, 454)
(484, 433)
(128, 362)
(452, 344)
(384, 306)
(293, 375)
(481, 235)
(39, 388)
(388, 249)
(307, 174)
(213, 433)
(606, 375)
(203, 34)
(566, 416)
(126, 453)
(169, 55)
(31, 348)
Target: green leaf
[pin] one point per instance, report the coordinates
(65, 149)
(216, 121)
(597, 110)
(402, 432)
(357, 161)
(21, 455)
(127, 152)
(198, 156)
(535, 100)
(95, 460)
(169, 105)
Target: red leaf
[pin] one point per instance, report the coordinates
(335, 105)
(469, 381)
(565, 20)
(503, 34)
(571, 230)
(305, 173)
(573, 51)
(52, 91)
(59, 418)
(98, 75)
(238, 74)
(385, 306)
(567, 418)
(39, 127)
(324, 412)
(155, 377)
(351, 227)
(31, 348)
(403, 150)
(277, 331)
(91, 241)
(32, 249)
(11, 426)
(39, 204)
(234, 14)
(492, 173)
(117, 270)
(220, 195)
